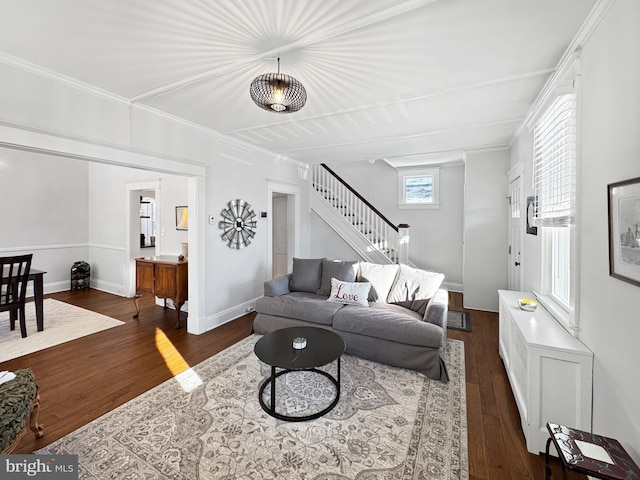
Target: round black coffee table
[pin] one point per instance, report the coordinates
(276, 349)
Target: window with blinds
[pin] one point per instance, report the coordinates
(554, 163)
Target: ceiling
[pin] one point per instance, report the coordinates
(416, 81)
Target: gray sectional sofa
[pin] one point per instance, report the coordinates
(392, 314)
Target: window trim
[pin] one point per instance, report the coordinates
(404, 174)
(566, 314)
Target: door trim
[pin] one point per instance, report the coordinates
(515, 172)
(275, 187)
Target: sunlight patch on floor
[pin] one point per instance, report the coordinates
(179, 368)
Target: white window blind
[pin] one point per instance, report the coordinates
(554, 164)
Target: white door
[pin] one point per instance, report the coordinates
(515, 232)
(280, 235)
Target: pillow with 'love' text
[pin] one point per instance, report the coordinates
(349, 293)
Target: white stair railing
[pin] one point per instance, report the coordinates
(379, 235)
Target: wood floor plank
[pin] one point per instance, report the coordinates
(85, 378)
(498, 466)
(477, 454)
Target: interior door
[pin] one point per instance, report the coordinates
(280, 235)
(515, 233)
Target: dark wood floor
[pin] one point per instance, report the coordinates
(85, 378)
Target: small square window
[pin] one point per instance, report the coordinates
(418, 188)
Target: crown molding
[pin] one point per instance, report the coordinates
(571, 54)
(223, 138)
(406, 137)
(40, 71)
(48, 142)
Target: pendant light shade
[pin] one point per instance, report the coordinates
(277, 92)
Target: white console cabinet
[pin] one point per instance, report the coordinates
(550, 371)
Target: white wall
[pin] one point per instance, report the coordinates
(522, 151)
(107, 226)
(610, 149)
(44, 112)
(485, 228)
(235, 278)
(610, 122)
(48, 219)
(436, 234)
(325, 242)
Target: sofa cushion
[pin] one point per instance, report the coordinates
(301, 305)
(349, 293)
(388, 322)
(413, 288)
(380, 277)
(306, 275)
(338, 269)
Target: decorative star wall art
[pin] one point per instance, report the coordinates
(238, 224)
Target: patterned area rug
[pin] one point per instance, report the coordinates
(389, 423)
(62, 322)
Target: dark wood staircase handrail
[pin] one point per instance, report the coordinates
(364, 200)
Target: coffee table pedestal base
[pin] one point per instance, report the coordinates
(271, 410)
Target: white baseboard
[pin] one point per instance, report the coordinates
(220, 318)
(110, 287)
(452, 287)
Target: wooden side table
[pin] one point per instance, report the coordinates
(165, 277)
(607, 460)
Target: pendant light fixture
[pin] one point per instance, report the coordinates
(277, 92)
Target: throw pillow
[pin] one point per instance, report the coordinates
(306, 275)
(413, 288)
(349, 293)
(380, 277)
(345, 271)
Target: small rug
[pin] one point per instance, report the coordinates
(389, 423)
(62, 322)
(459, 320)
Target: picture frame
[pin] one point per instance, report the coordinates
(531, 205)
(624, 230)
(182, 218)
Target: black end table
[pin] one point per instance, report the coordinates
(276, 349)
(568, 441)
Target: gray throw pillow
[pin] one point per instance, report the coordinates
(338, 269)
(306, 275)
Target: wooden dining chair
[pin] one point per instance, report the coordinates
(14, 273)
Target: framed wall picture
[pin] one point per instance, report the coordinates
(182, 218)
(624, 230)
(531, 205)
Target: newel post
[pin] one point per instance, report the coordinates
(403, 243)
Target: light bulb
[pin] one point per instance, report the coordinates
(277, 98)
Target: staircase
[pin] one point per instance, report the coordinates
(363, 227)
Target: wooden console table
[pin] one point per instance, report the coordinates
(165, 277)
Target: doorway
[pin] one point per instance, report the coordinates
(515, 229)
(282, 211)
(283, 237)
(143, 200)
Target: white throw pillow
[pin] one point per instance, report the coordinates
(381, 278)
(349, 293)
(413, 285)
